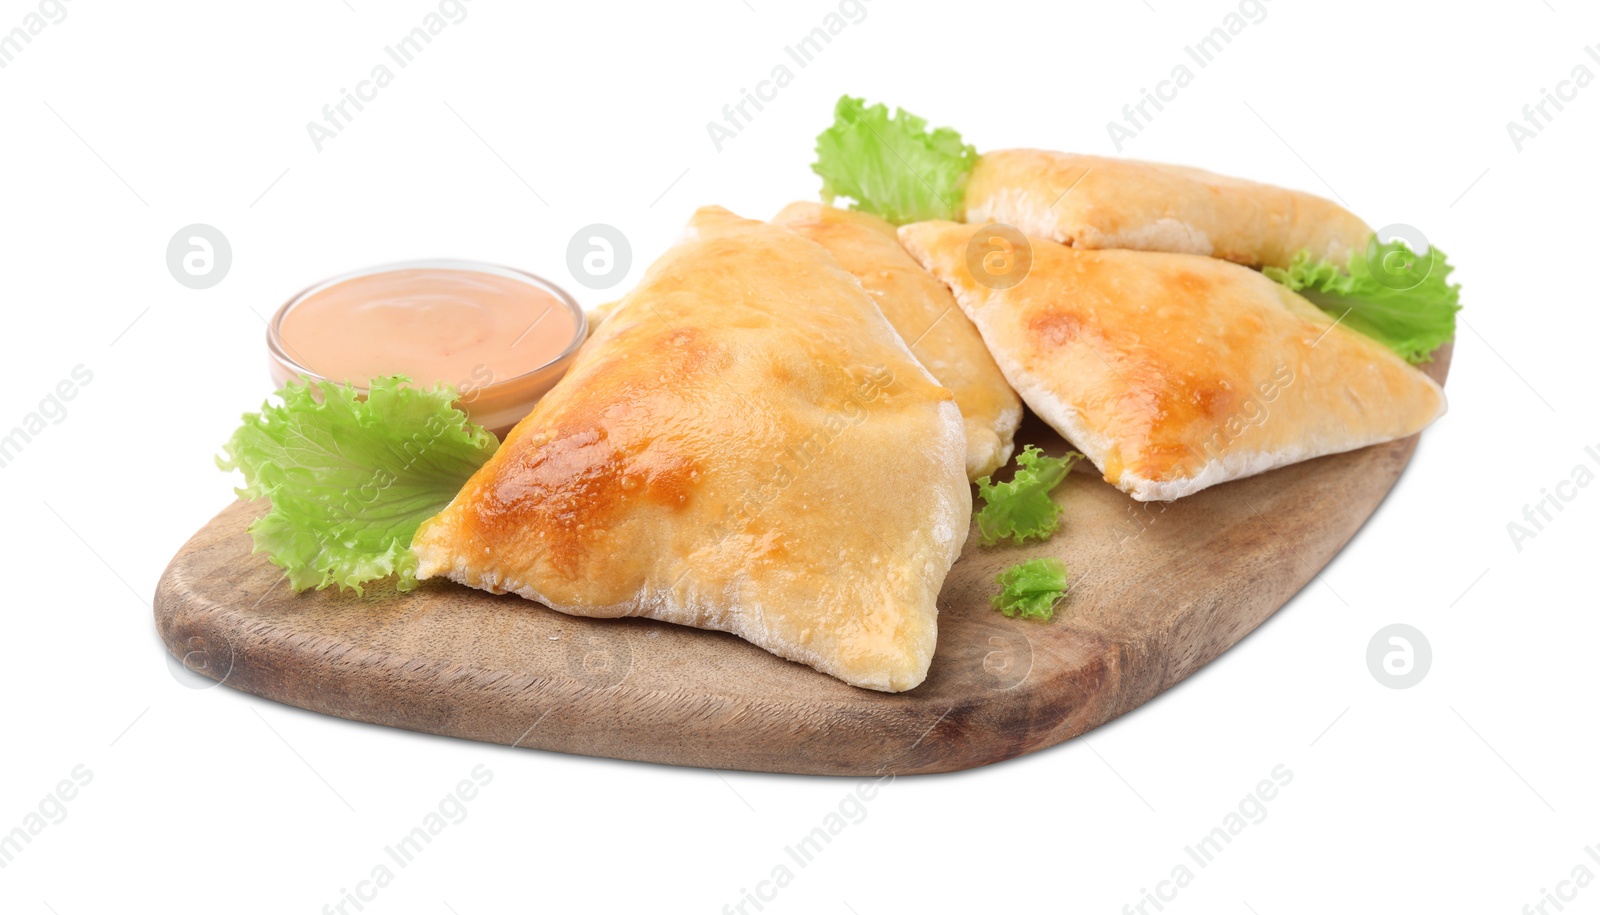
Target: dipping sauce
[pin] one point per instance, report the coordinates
(501, 337)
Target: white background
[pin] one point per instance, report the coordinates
(122, 123)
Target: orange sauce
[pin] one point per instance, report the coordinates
(455, 326)
(501, 338)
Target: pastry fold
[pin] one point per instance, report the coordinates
(923, 311)
(1173, 372)
(744, 444)
(1095, 202)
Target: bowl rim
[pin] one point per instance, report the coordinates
(281, 351)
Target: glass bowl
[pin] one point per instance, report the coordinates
(492, 402)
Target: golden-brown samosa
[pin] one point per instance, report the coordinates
(1174, 372)
(745, 444)
(922, 310)
(1096, 202)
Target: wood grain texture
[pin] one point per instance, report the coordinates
(1159, 590)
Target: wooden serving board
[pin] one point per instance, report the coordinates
(1158, 591)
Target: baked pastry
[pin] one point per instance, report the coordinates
(744, 444)
(1174, 372)
(923, 311)
(1095, 202)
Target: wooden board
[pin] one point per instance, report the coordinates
(1159, 590)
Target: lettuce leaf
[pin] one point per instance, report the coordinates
(892, 166)
(1031, 589)
(1023, 508)
(352, 478)
(1389, 292)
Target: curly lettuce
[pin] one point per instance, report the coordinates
(1031, 589)
(1022, 508)
(892, 166)
(1394, 295)
(351, 477)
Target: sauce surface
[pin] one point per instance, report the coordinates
(430, 323)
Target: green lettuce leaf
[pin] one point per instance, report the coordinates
(892, 166)
(352, 478)
(1402, 299)
(1023, 508)
(1031, 589)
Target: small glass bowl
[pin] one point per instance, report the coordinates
(497, 405)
